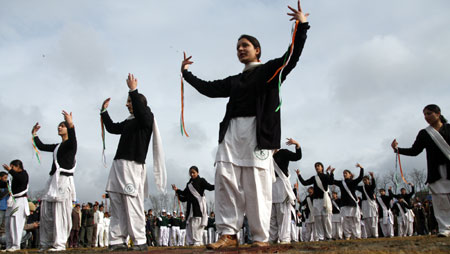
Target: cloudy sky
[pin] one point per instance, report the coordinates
(367, 71)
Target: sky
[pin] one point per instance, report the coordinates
(367, 70)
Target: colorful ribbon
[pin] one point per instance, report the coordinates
(36, 151)
(102, 126)
(285, 63)
(182, 126)
(400, 166)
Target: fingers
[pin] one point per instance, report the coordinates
(299, 7)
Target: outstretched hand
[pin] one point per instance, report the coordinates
(291, 141)
(36, 127)
(297, 171)
(174, 187)
(186, 62)
(6, 167)
(131, 82)
(358, 165)
(68, 118)
(394, 145)
(298, 14)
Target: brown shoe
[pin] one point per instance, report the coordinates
(225, 241)
(260, 244)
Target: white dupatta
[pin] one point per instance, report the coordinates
(286, 183)
(326, 197)
(201, 202)
(159, 165)
(358, 211)
(55, 188)
(439, 141)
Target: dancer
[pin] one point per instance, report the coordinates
(406, 198)
(322, 201)
(350, 210)
(369, 205)
(435, 139)
(400, 209)
(197, 215)
(18, 209)
(127, 182)
(336, 218)
(163, 223)
(385, 213)
(249, 132)
(56, 206)
(282, 195)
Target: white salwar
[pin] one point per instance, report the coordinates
(370, 215)
(182, 240)
(15, 219)
(351, 223)
(387, 221)
(440, 194)
(127, 185)
(243, 181)
(99, 220)
(164, 236)
(194, 231)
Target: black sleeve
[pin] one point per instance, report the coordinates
(360, 177)
(273, 65)
(182, 195)
(417, 147)
(3, 184)
(212, 89)
(44, 147)
(411, 193)
(113, 128)
(206, 185)
(142, 112)
(72, 139)
(307, 182)
(294, 156)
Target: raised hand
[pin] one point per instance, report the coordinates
(131, 82)
(174, 187)
(298, 14)
(297, 171)
(358, 165)
(105, 104)
(371, 174)
(68, 118)
(394, 144)
(6, 167)
(36, 127)
(291, 141)
(186, 62)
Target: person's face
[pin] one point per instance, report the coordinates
(15, 168)
(430, 116)
(212, 215)
(334, 195)
(95, 208)
(366, 181)
(382, 192)
(319, 168)
(129, 105)
(403, 191)
(101, 209)
(193, 173)
(347, 175)
(150, 212)
(246, 52)
(310, 191)
(4, 178)
(62, 129)
(77, 208)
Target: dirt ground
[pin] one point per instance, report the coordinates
(407, 245)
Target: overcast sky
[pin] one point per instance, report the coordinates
(367, 70)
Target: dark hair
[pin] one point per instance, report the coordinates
(77, 205)
(142, 99)
(253, 41)
(312, 188)
(334, 192)
(194, 168)
(435, 108)
(382, 190)
(17, 163)
(2, 174)
(64, 123)
(348, 171)
(366, 177)
(318, 163)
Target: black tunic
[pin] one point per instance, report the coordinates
(66, 152)
(200, 184)
(19, 182)
(284, 156)
(351, 184)
(326, 179)
(135, 133)
(370, 189)
(435, 157)
(387, 202)
(251, 86)
(339, 204)
(307, 210)
(407, 197)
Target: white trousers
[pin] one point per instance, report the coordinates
(371, 225)
(128, 219)
(14, 224)
(239, 191)
(322, 226)
(175, 235)
(308, 232)
(337, 230)
(351, 227)
(211, 235)
(387, 229)
(363, 229)
(205, 237)
(402, 226)
(163, 236)
(194, 231)
(182, 240)
(294, 231)
(55, 223)
(280, 222)
(100, 235)
(441, 203)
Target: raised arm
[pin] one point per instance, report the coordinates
(304, 182)
(141, 111)
(361, 174)
(72, 139)
(298, 150)
(41, 146)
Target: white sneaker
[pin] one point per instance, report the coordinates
(12, 249)
(57, 249)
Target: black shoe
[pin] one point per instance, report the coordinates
(141, 247)
(115, 247)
